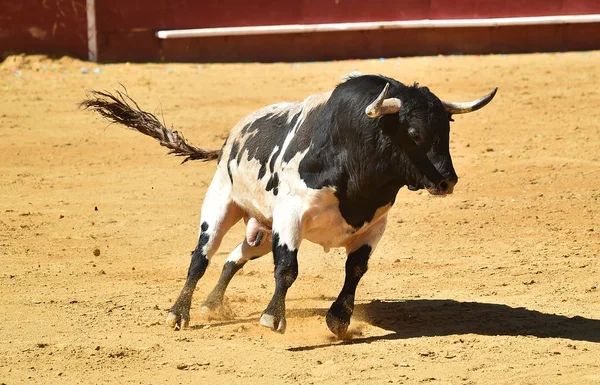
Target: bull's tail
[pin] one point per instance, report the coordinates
(121, 108)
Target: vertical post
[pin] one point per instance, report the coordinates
(91, 30)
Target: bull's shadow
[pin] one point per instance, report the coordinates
(419, 318)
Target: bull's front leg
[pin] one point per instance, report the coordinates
(286, 241)
(338, 316)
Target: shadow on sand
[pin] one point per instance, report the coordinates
(419, 318)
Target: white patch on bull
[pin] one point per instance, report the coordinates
(325, 225)
(235, 255)
(287, 222)
(295, 110)
(244, 251)
(250, 193)
(219, 212)
(371, 233)
(319, 219)
(313, 101)
(271, 156)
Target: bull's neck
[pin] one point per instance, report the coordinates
(373, 174)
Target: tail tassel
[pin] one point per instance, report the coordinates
(122, 109)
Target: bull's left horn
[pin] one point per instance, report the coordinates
(464, 107)
(383, 106)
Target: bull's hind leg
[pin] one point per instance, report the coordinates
(219, 213)
(256, 244)
(338, 316)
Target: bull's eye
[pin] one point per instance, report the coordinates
(414, 135)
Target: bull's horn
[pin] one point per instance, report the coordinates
(464, 107)
(383, 106)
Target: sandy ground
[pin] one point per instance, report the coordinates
(497, 284)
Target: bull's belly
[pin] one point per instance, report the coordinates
(327, 229)
(255, 208)
(334, 234)
(321, 221)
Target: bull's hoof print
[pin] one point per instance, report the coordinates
(177, 321)
(274, 323)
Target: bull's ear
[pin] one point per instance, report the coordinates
(450, 117)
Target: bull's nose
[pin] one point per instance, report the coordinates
(446, 186)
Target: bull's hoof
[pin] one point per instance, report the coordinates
(273, 322)
(178, 321)
(338, 326)
(338, 318)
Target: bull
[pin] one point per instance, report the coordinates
(326, 169)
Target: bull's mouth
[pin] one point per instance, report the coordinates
(432, 189)
(437, 193)
(432, 180)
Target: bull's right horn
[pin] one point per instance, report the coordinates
(383, 106)
(465, 107)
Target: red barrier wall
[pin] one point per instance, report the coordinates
(126, 28)
(50, 26)
(115, 15)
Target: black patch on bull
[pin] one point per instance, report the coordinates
(249, 128)
(273, 184)
(303, 137)
(235, 147)
(276, 154)
(264, 135)
(368, 160)
(262, 171)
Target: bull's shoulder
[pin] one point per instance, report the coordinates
(308, 126)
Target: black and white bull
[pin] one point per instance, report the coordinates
(326, 169)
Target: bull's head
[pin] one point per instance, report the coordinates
(424, 133)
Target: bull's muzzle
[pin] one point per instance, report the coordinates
(444, 187)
